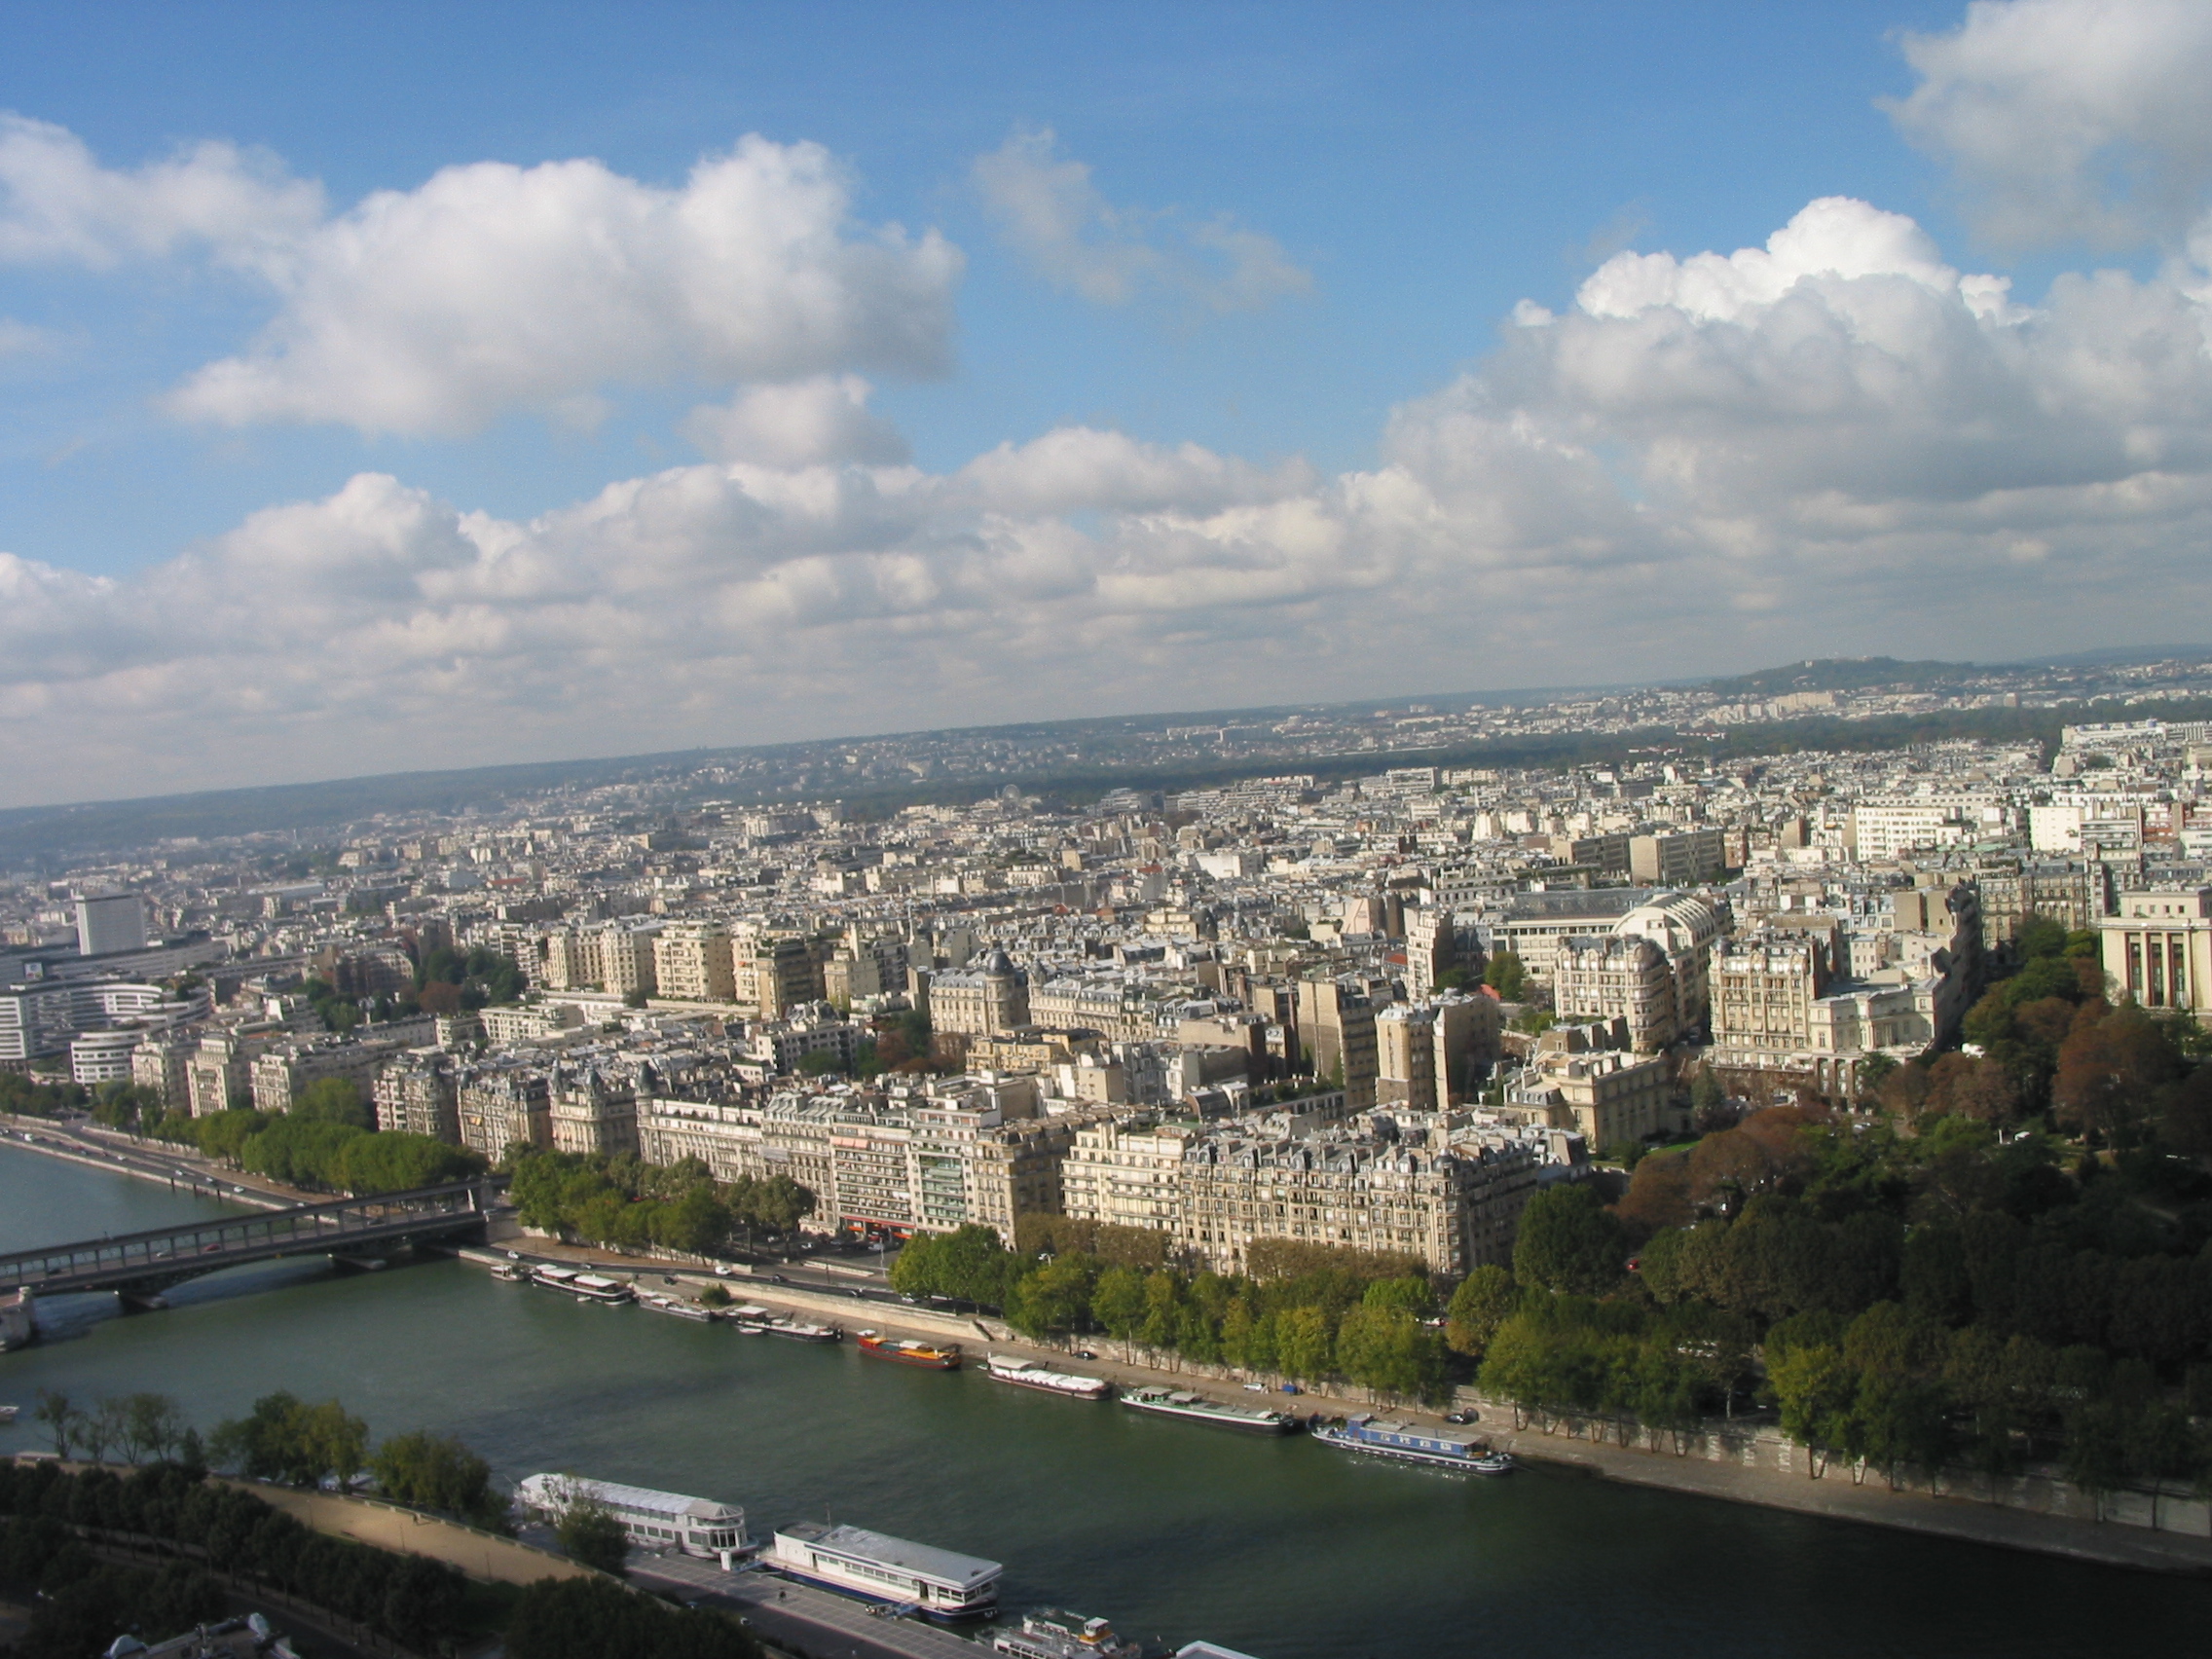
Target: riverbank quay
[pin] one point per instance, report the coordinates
(1835, 1495)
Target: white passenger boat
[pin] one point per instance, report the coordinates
(1196, 1408)
(8, 1414)
(652, 1520)
(750, 1318)
(553, 1278)
(874, 1566)
(1409, 1443)
(594, 1287)
(1029, 1373)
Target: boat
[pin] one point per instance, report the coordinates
(1029, 1373)
(892, 1572)
(8, 1414)
(750, 1318)
(555, 1278)
(1052, 1633)
(929, 1357)
(799, 1331)
(652, 1520)
(1196, 1408)
(1409, 1443)
(506, 1272)
(677, 1305)
(592, 1287)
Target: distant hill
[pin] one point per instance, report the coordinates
(1844, 673)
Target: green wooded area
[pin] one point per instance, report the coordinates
(617, 1200)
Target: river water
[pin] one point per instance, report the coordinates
(1279, 1547)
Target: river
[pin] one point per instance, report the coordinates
(1278, 1547)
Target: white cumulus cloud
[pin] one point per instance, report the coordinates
(822, 419)
(492, 288)
(2070, 118)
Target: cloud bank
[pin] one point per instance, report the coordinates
(1836, 436)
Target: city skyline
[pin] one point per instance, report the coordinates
(646, 404)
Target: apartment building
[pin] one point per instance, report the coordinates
(417, 1094)
(1456, 1209)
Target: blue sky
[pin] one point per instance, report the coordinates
(1271, 426)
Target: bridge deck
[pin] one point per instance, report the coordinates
(168, 1254)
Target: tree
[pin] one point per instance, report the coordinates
(1304, 1343)
(1570, 1243)
(590, 1532)
(1507, 975)
(434, 1471)
(1483, 1301)
(61, 1419)
(153, 1427)
(334, 1100)
(1815, 1391)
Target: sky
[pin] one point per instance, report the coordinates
(397, 386)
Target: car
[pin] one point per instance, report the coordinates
(1084, 1353)
(911, 1301)
(1462, 1418)
(1255, 1387)
(1292, 1388)
(862, 1294)
(514, 1255)
(668, 1278)
(778, 1278)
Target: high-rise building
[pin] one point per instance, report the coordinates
(109, 922)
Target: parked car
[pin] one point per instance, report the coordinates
(1462, 1418)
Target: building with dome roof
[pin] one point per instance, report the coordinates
(985, 1000)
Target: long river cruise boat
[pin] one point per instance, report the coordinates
(929, 1357)
(874, 1566)
(1196, 1408)
(585, 1287)
(651, 1520)
(1409, 1443)
(1050, 1632)
(1028, 1373)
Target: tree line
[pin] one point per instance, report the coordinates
(1301, 1311)
(329, 1141)
(621, 1201)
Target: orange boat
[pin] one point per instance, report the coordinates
(930, 1356)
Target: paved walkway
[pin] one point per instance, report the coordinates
(799, 1617)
